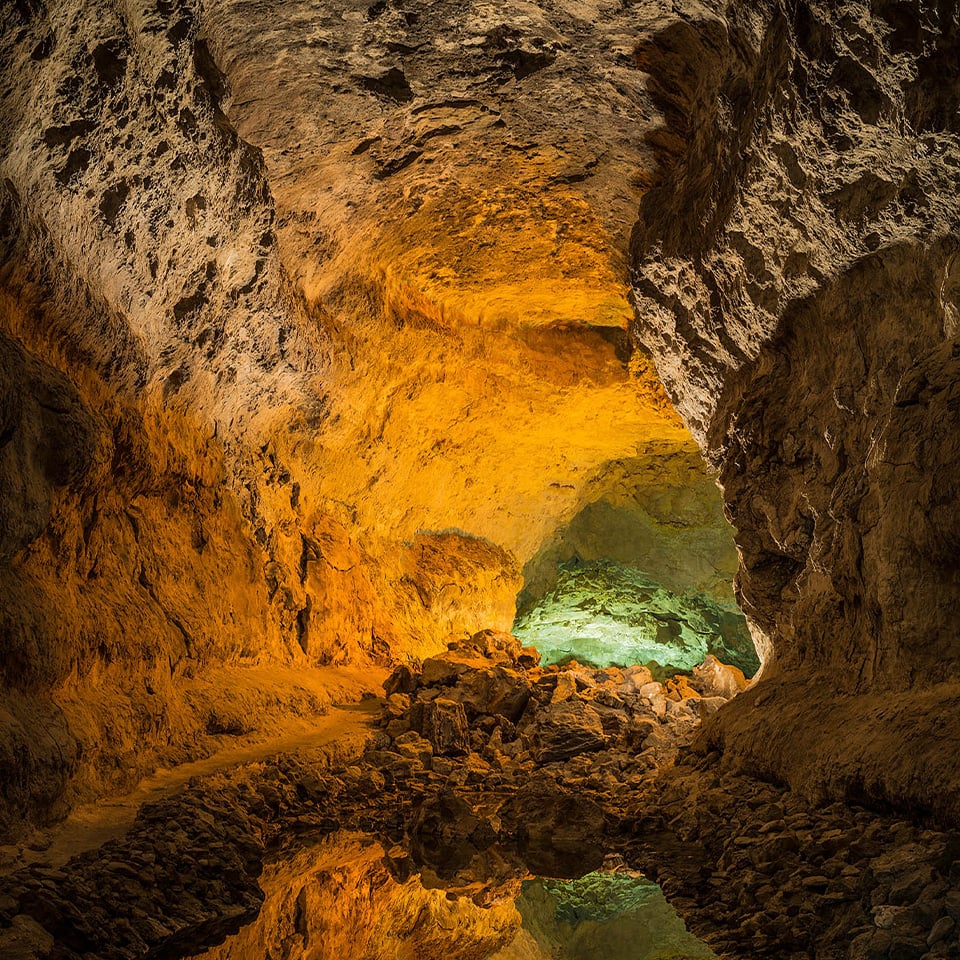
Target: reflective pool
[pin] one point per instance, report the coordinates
(601, 916)
(353, 896)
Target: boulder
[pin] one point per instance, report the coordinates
(565, 689)
(497, 644)
(563, 730)
(402, 680)
(680, 688)
(493, 691)
(444, 724)
(528, 658)
(653, 693)
(442, 670)
(715, 679)
(635, 678)
(708, 706)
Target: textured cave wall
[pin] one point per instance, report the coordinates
(154, 361)
(312, 332)
(796, 279)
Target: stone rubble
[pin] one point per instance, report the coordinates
(487, 768)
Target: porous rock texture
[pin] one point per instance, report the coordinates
(312, 333)
(797, 281)
(312, 336)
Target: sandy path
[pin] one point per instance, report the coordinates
(90, 825)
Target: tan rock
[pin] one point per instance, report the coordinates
(565, 689)
(708, 706)
(715, 679)
(680, 688)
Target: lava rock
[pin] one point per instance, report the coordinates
(445, 726)
(565, 729)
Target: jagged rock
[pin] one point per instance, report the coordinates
(653, 693)
(442, 671)
(635, 678)
(498, 691)
(565, 689)
(680, 688)
(715, 679)
(403, 680)
(493, 644)
(444, 724)
(563, 730)
(528, 657)
(708, 706)
(397, 705)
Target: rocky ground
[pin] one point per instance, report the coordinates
(488, 768)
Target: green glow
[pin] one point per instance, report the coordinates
(602, 916)
(603, 613)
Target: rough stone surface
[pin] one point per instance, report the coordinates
(266, 858)
(796, 279)
(445, 726)
(312, 335)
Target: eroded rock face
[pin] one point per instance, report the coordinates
(313, 337)
(280, 384)
(796, 279)
(657, 512)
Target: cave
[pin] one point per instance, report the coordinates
(477, 480)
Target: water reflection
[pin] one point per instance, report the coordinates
(601, 916)
(355, 896)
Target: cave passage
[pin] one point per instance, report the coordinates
(603, 613)
(641, 574)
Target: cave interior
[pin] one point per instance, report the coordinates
(479, 480)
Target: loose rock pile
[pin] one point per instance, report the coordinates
(485, 712)
(488, 768)
(759, 872)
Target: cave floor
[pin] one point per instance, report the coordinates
(344, 727)
(481, 771)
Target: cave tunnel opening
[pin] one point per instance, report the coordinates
(641, 575)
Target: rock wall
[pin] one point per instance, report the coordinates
(313, 335)
(312, 332)
(796, 279)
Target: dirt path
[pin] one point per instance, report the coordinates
(91, 825)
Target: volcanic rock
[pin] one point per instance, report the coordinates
(563, 730)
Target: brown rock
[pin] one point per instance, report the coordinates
(442, 671)
(680, 688)
(445, 726)
(563, 730)
(715, 679)
(565, 689)
(403, 680)
(707, 706)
